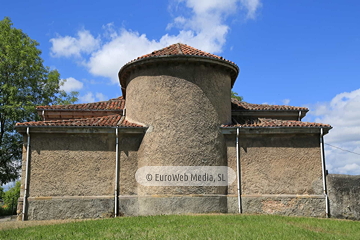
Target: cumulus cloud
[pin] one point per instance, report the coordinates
(90, 97)
(343, 114)
(122, 47)
(101, 97)
(68, 46)
(87, 98)
(199, 23)
(251, 7)
(71, 84)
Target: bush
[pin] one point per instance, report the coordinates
(6, 210)
(10, 198)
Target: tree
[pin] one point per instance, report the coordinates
(11, 196)
(1, 192)
(236, 96)
(24, 83)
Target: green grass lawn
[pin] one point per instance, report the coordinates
(193, 227)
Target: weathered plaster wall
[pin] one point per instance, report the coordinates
(183, 105)
(72, 165)
(344, 196)
(280, 174)
(277, 164)
(73, 175)
(128, 163)
(179, 90)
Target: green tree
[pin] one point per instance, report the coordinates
(24, 83)
(1, 192)
(11, 196)
(236, 96)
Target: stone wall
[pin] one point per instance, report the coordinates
(344, 196)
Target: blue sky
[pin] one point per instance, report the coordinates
(300, 53)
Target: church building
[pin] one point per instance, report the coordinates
(176, 110)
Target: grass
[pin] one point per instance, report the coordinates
(192, 227)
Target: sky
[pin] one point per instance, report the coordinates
(300, 53)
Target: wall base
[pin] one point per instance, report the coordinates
(308, 206)
(47, 208)
(69, 208)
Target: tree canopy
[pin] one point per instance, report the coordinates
(236, 96)
(24, 83)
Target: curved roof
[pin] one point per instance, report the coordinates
(176, 51)
(180, 49)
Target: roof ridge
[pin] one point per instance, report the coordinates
(122, 119)
(179, 48)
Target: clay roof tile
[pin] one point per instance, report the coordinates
(106, 121)
(237, 105)
(116, 104)
(270, 123)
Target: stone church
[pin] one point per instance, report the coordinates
(176, 110)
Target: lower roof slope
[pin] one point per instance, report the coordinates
(112, 104)
(249, 122)
(117, 119)
(105, 121)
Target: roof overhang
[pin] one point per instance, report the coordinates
(278, 114)
(274, 130)
(125, 71)
(82, 130)
(57, 114)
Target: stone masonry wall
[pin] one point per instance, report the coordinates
(344, 196)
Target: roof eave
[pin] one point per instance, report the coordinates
(124, 71)
(80, 129)
(267, 113)
(274, 130)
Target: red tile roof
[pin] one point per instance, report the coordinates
(119, 104)
(112, 104)
(236, 105)
(175, 50)
(106, 121)
(180, 49)
(272, 123)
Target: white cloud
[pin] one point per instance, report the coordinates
(69, 46)
(101, 97)
(343, 114)
(90, 97)
(87, 98)
(71, 84)
(286, 101)
(251, 7)
(199, 23)
(123, 46)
